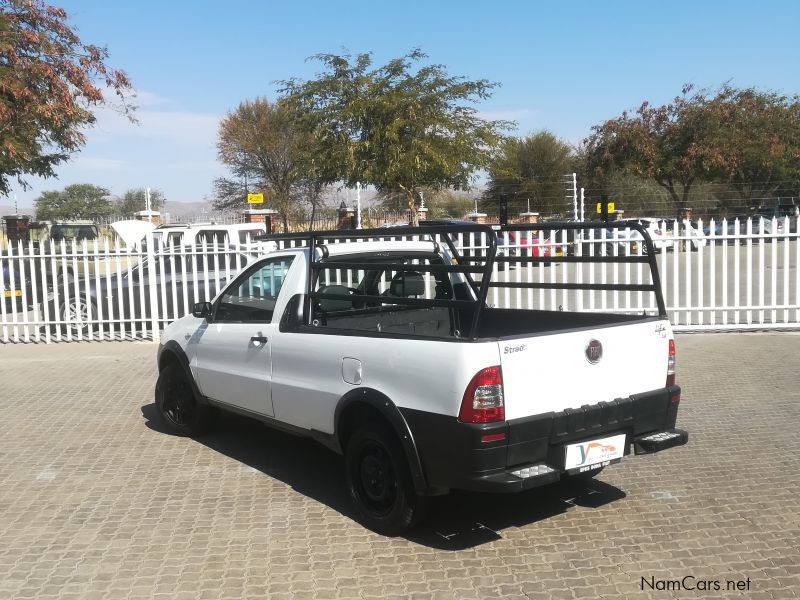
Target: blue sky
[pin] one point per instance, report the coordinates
(563, 66)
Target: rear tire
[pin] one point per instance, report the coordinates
(176, 405)
(379, 481)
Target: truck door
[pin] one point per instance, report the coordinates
(234, 363)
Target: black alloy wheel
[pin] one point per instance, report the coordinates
(177, 405)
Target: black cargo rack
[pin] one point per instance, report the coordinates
(484, 264)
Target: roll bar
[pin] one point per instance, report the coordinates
(466, 265)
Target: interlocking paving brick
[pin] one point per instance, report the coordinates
(97, 502)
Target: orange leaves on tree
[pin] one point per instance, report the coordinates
(49, 81)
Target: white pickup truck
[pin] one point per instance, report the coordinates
(387, 352)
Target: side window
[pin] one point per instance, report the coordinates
(253, 299)
(175, 238)
(246, 235)
(211, 237)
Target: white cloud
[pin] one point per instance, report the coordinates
(144, 98)
(156, 118)
(180, 126)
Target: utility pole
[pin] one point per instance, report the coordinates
(358, 205)
(571, 183)
(575, 196)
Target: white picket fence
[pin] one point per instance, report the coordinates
(737, 276)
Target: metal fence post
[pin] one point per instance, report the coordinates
(151, 284)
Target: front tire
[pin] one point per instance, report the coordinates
(177, 406)
(379, 481)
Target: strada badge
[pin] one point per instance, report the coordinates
(513, 349)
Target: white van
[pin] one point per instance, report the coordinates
(212, 234)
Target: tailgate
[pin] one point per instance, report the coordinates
(549, 373)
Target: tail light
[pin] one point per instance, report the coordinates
(483, 398)
(671, 364)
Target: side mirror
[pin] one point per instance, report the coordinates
(202, 310)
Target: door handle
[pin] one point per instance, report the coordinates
(259, 339)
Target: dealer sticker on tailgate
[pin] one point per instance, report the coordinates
(586, 454)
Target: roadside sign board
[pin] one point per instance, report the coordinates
(255, 198)
(600, 208)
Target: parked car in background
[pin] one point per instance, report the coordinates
(664, 235)
(49, 237)
(734, 226)
(180, 279)
(533, 243)
(782, 211)
(15, 287)
(70, 232)
(195, 234)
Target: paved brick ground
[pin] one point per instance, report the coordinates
(96, 503)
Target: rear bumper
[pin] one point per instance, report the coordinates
(454, 455)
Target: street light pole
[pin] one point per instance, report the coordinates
(358, 205)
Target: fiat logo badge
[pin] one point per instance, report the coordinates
(594, 352)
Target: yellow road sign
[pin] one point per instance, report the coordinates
(600, 208)
(255, 198)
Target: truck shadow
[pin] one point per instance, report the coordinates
(458, 521)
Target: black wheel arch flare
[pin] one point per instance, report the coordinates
(172, 352)
(389, 411)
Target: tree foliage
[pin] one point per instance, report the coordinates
(49, 83)
(76, 201)
(732, 135)
(758, 135)
(133, 200)
(530, 168)
(267, 150)
(399, 127)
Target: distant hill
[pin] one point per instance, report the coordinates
(177, 210)
(185, 210)
(8, 209)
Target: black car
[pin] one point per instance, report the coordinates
(177, 281)
(15, 284)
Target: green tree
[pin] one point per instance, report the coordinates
(668, 144)
(758, 136)
(76, 201)
(448, 204)
(732, 136)
(266, 145)
(49, 83)
(530, 168)
(399, 127)
(133, 200)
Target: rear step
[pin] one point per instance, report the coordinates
(655, 442)
(535, 475)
